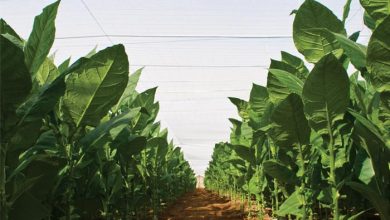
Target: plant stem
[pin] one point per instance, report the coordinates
(70, 187)
(332, 174)
(332, 180)
(303, 183)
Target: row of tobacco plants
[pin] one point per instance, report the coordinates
(77, 140)
(315, 144)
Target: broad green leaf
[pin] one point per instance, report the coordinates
(245, 153)
(295, 62)
(369, 21)
(42, 102)
(254, 186)
(377, 9)
(384, 111)
(241, 133)
(378, 56)
(242, 107)
(64, 65)
(47, 72)
(367, 136)
(145, 99)
(46, 166)
(290, 127)
(41, 38)
(326, 94)
(160, 146)
(292, 206)
(92, 90)
(286, 67)
(96, 135)
(44, 141)
(363, 168)
(129, 92)
(279, 171)
(258, 98)
(281, 83)
(15, 82)
(356, 52)
(129, 145)
(313, 44)
(258, 101)
(5, 29)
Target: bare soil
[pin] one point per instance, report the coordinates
(203, 204)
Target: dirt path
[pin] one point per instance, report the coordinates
(202, 204)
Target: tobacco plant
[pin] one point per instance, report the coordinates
(314, 144)
(77, 140)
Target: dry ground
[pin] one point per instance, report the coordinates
(202, 204)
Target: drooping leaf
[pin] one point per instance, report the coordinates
(326, 94)
(41, 38)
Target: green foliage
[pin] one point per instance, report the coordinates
(315, 145)
(309, 38)
(78, 141)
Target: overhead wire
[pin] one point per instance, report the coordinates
(175, 36)
(199, 66)
(97, 22)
